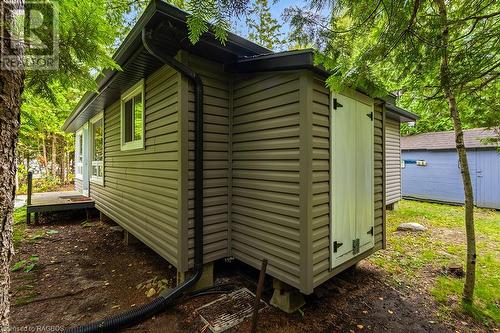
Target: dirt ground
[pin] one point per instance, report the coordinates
(84, 272)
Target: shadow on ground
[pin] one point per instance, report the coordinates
(85, 272)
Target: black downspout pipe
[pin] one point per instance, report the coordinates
(160, 303)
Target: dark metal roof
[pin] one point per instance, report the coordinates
(399, 114)
(168, 24)
(276, 61)
(171, 32)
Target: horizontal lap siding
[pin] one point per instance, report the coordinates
(379, 161)
(78, 185)
(321, 177)
(216, 87)
(393, 161)
(321, 226)
(141, 186)
(265, 174)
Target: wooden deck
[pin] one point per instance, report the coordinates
(56, 202)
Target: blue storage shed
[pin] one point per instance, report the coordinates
(430, 168)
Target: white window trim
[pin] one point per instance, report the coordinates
(79, 165)
(134, 90)
(96, 179)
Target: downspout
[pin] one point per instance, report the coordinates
(160, 303)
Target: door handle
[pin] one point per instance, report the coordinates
(336, 246)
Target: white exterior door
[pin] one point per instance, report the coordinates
(352, 178)
(82, 158)
(86, 156)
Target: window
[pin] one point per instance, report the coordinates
(97, 152)
(79, 154)
(132, 117)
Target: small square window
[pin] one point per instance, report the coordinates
(133, 117)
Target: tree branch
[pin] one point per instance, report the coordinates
(475, 17)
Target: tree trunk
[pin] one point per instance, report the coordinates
(445, 75)
(62, 165)
(44, 156)
(53, 163)
(11, 88)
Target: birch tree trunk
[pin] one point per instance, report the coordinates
(11, 88)
(445, 75)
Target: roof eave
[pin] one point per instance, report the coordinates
(132, 44)
(402, 114)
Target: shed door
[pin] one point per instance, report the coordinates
(351, 179)
(488, 178)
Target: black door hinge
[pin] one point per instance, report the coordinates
(370, 232)
(336, 104)
(370, 115)
(336, 246)
(355, 246)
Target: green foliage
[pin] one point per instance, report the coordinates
(263, 28)
(412, 257)
(48, 183)
(26, 265)
(214, 16)
(19, 226)
(89, 32)
(398, 46)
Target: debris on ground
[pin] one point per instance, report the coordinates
(229, 310)
(84, 274)
(455, 270)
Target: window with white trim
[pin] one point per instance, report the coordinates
(132, 117)
(97, 148)
(79, 154)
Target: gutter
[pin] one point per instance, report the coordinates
(404, 115)
(167, 297)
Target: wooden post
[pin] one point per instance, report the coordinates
(28, 200)
(258, 294)
(30, 187)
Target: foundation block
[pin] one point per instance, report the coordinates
(286, 298)
(392, 206)
(104, 218)
(129, 239)
(206, 280)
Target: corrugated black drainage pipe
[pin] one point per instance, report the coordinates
(159, 304)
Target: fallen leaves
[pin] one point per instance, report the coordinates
(153, 286)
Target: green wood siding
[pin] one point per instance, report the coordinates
(393, 162)
(216, 89)
(141, 186)
(321, 178)
(266, 173)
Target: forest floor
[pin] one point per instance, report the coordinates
(69, 271)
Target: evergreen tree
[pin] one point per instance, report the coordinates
(87, 30)
(445, 51)
(263, 28)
